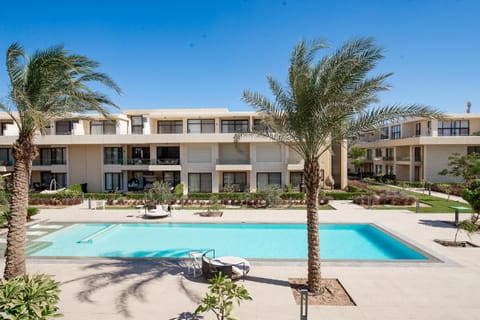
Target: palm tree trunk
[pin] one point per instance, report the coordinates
(23, 152)
(312, 184)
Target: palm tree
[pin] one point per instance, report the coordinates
(325, 103)
(51, 83)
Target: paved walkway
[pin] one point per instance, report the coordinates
(158, 289)
(433, 193)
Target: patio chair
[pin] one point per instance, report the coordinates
(232, 267)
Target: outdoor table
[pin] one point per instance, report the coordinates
(457, 211)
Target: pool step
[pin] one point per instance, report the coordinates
(36, 246)
(47, 226)
(97, 234)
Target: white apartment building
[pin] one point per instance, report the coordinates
(137, 147)
(417, 149)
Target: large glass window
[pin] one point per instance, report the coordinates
(417, 152)
(53, 180)
(378, 169)
(453, 128)
(6, 158)
(101, 127)
(388, 154)
(296, 181)
(396, 132)
(49, 156)
(201, 125)
(169, 126)
(369, 154)
(168, 155)
(171, 177)
(63, 127)
(137, 124)
(113, 181)
(418, 129)
(234, 126)
(378, 153)
(199, 182)
(113, 155)
(3, 127)
(473, 149)
(259, 125)
(384, 133)
(141, 155)
(266, 178)
(234, 181)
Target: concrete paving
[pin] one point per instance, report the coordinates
(160, 289)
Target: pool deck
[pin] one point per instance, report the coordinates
(159, 289)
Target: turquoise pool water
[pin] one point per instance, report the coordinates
(263, 241)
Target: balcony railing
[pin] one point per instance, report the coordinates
(6, 162)
(388, 158)
(233, 161)
(403, 158)
(48, 162)
(168, 161)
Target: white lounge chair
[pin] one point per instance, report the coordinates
(156, 212)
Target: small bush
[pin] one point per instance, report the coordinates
(29, 297)
(272, 195)
(344, 195)
(178, 191)
(385, 198)
(293, 196)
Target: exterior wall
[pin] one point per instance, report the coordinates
(436, 159)
(85, 166)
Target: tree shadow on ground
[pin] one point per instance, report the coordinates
(138, 273)
(437, 223)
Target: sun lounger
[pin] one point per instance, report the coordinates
(156, 212)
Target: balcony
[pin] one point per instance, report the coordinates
(48, 162)
(233, 165)
(296, 166)
(389, 158)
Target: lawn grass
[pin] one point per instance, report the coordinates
(435, 204)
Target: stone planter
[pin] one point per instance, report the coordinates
(210, 213)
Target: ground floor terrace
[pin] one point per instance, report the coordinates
(97, 288)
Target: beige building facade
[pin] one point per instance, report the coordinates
(194, 147)
(417, 149)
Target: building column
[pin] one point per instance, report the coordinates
(215, 173)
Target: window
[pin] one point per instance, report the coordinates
(113, 155)
(113, 181)
(384, 133)
(388, 154)
(453, 128)
(137, 124)
(168, 155)
(102, 127)
(418, 129)
(378, 169)
(297, 182)
(49, 156)
(234, 181)
(171, 126)
(199, 182)
(473, 149)
(3, 127)
(141, 155)
(369, 154)
(417, 152)
(53, 180)
(171, 177)
(6, 158)
(234, 126)
(378, 153)
(389, 170)
(63, 127)
(259, 125)
(201, 125)
(429, 128)
(396, 132)
(266, 178)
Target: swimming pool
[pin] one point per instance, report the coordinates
(261, 241)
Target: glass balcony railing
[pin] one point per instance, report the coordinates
(168, 161)
(48, 162)
(233, 161)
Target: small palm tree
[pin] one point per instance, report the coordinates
(326, 103)
(51, 83)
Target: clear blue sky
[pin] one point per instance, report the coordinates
(184, 54)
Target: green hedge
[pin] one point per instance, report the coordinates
(344, 195)
(293, 196)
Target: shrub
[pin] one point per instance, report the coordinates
(222, 296)
(344, 195)
(272, 194)
(29, 297)
(385, 197)
(178, 191)
(293, 196)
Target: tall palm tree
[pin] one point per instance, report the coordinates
(325, 103)
(51, 83)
